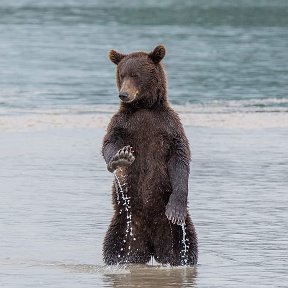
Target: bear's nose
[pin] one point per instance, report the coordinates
(123, 96)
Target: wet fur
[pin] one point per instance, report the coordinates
(158, 178)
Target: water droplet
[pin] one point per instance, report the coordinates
(125, 201)
(185, 248)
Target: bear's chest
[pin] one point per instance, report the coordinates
(148, 136)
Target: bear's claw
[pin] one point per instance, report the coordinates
(176, 214)
(124, 157)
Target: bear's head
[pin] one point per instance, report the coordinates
(140, 77)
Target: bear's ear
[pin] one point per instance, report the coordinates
(115, 57)
(157, 54)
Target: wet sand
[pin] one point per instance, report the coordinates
(46, 119)
(56, 205)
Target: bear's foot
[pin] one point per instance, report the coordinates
(123, 158)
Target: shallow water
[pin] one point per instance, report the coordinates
(56, 205)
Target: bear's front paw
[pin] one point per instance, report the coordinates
(176, 213)
(124, 157)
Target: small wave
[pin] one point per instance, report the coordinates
(237, 106)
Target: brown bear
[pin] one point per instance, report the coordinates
(146, 148)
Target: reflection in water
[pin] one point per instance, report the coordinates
(138, 275)
(115, 276)
(146, 276)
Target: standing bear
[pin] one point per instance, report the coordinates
(146, 148)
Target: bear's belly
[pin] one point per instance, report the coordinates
(149, 183)
(148, 177)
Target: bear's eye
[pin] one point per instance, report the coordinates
(134, 75)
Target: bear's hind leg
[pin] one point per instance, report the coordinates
(122, 248)
(113, 242)
(169, 246)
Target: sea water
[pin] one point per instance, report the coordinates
(53, 55)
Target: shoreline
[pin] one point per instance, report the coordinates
(252, 120)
